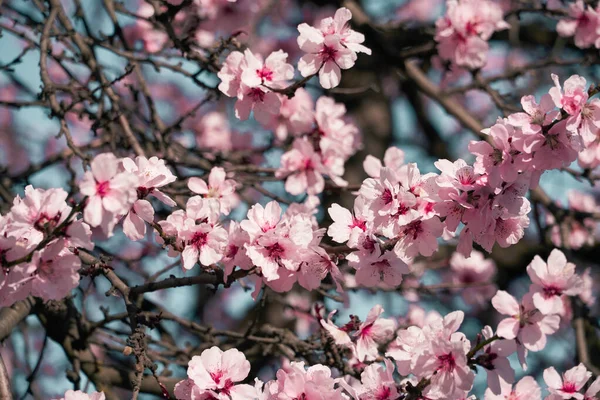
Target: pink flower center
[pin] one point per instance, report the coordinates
(232, 250)
(402, 210)
(383, 393)
(414, 229)
(308, 165)
(216, 376)
(551, 291)
(366, 331)
(265, 73)
(328, 53)
(447, 362)
(465, 176)
(199, 239)
(301, 397)
(569, 387)
(45, 268)
(357, 223)
(381, 266)
(275, 250)
(102, 188)
(386, 196)
(44, 221)
(227, 387)
(256, 94)
(471, 28)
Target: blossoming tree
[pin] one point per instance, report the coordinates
(199, 197)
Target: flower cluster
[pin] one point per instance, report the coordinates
(117, 188)
(321, 151)
(582, 23)
(463, 32)
(437, 360)
(257, 82)
(330, 48)
(39, 238)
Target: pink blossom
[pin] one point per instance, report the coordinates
(316, 267)
(235, 254)
(231, 74)
(264, 103)
(295, 115)
(567, 386)
(261, 219)
(218, 187)
(303, 169)
(558, 150)
(110, 192)
(347, 226)
(524, 323)
(494, 360)
(552, 280)
(296, 382)
(54, 271)
(274, 72)
(330, 48)
(571, 97)
(205, 241)
(151, 174)
(498, 160)
(419, 237)
(373, 331)
(581, 23)
(463, 32)
(445, 363)
(377, 383)
(393, 159)
(526, 389)
(474, 269)
(377, 268)
(213, 132)
(214, 375)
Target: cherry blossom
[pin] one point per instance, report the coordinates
(110, 192)
(526, 389)
(218, 187)
(151, 174)
(297, 382)
(567, 386)
(525, 323)
(330, 48)
(215, 374)
(462, 33)
(551, 281)
(582, 23)
(474, 269)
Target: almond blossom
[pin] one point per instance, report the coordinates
(462, 33)
(526, 389)
(215, 374)
(567, 386)
(151, 174)
(376, 382)
(110, 192)
(582, 23)
(330, 48)
(474, 269)
(524, 323)
(552, 280)
(218, 187)
(204, 239)
(297, 382)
